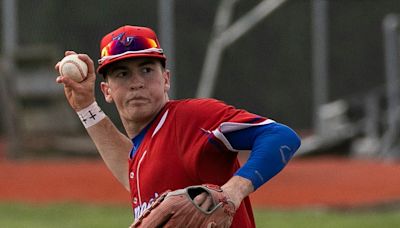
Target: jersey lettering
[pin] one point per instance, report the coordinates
(141, 208)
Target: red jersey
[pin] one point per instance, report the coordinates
(182, 148)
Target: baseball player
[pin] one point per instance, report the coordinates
(178, 158)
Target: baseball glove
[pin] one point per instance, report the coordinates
(177, 209)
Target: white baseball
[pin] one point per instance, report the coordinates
(73, 67)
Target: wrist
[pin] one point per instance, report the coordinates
(91, 115)
(82, 105)
(237, 188)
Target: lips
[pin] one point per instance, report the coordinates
(138, 99)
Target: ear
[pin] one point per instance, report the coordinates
(105, 88)
(167, 80)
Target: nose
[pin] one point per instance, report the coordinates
(136, 82)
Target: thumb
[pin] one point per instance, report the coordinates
(67, 82)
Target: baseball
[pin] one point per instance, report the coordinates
(71, 66)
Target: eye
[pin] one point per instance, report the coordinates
(147, 69)
(121, 74)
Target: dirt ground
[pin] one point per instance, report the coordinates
(313, 182)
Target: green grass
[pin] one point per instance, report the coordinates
(328, 219)
(63, 215)
(82, 215)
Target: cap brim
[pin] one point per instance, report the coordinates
(101, 67)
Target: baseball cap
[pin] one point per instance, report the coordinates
(129, 42)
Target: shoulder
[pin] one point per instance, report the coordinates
(211, 110)
(199, 113)
(199, 104)
(197, 101)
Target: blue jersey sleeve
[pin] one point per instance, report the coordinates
(271, 145)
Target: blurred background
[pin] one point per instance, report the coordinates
(288, 60)
(327, 68)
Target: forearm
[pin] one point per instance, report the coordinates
(113, 147)
(272, 146)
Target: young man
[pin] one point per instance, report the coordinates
(173, 144)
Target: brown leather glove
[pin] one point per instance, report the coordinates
(177, 209)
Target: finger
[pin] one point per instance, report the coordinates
(70, 53)
(59, 79)
(207, 204)
(67, 82)
(199, 199)
(57, 66)
(89, 62)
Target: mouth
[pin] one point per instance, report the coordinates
(137, 100)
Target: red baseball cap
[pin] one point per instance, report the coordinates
(129, 42)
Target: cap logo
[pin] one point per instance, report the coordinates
(119, 36)
(128, 40)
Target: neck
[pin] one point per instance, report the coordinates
(133, 127)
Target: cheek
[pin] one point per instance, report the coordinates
(159, 90)
(115, 96)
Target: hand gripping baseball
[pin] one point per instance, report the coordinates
(79, 94)
(178, 209)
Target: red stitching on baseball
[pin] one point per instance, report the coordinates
(77, 66)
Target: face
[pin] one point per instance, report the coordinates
(138, 87)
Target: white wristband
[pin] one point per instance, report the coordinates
(91, 115)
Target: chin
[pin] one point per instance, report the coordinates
(139, 115)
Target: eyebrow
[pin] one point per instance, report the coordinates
(116, 68)
(122, 66)
(147, 62)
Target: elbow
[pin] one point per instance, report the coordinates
(290, 137)
(296, 140)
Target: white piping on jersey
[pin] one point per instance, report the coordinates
(161, 123)
(137, 177)
(226, 127)
(158, 127)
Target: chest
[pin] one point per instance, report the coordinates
(155, 168)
